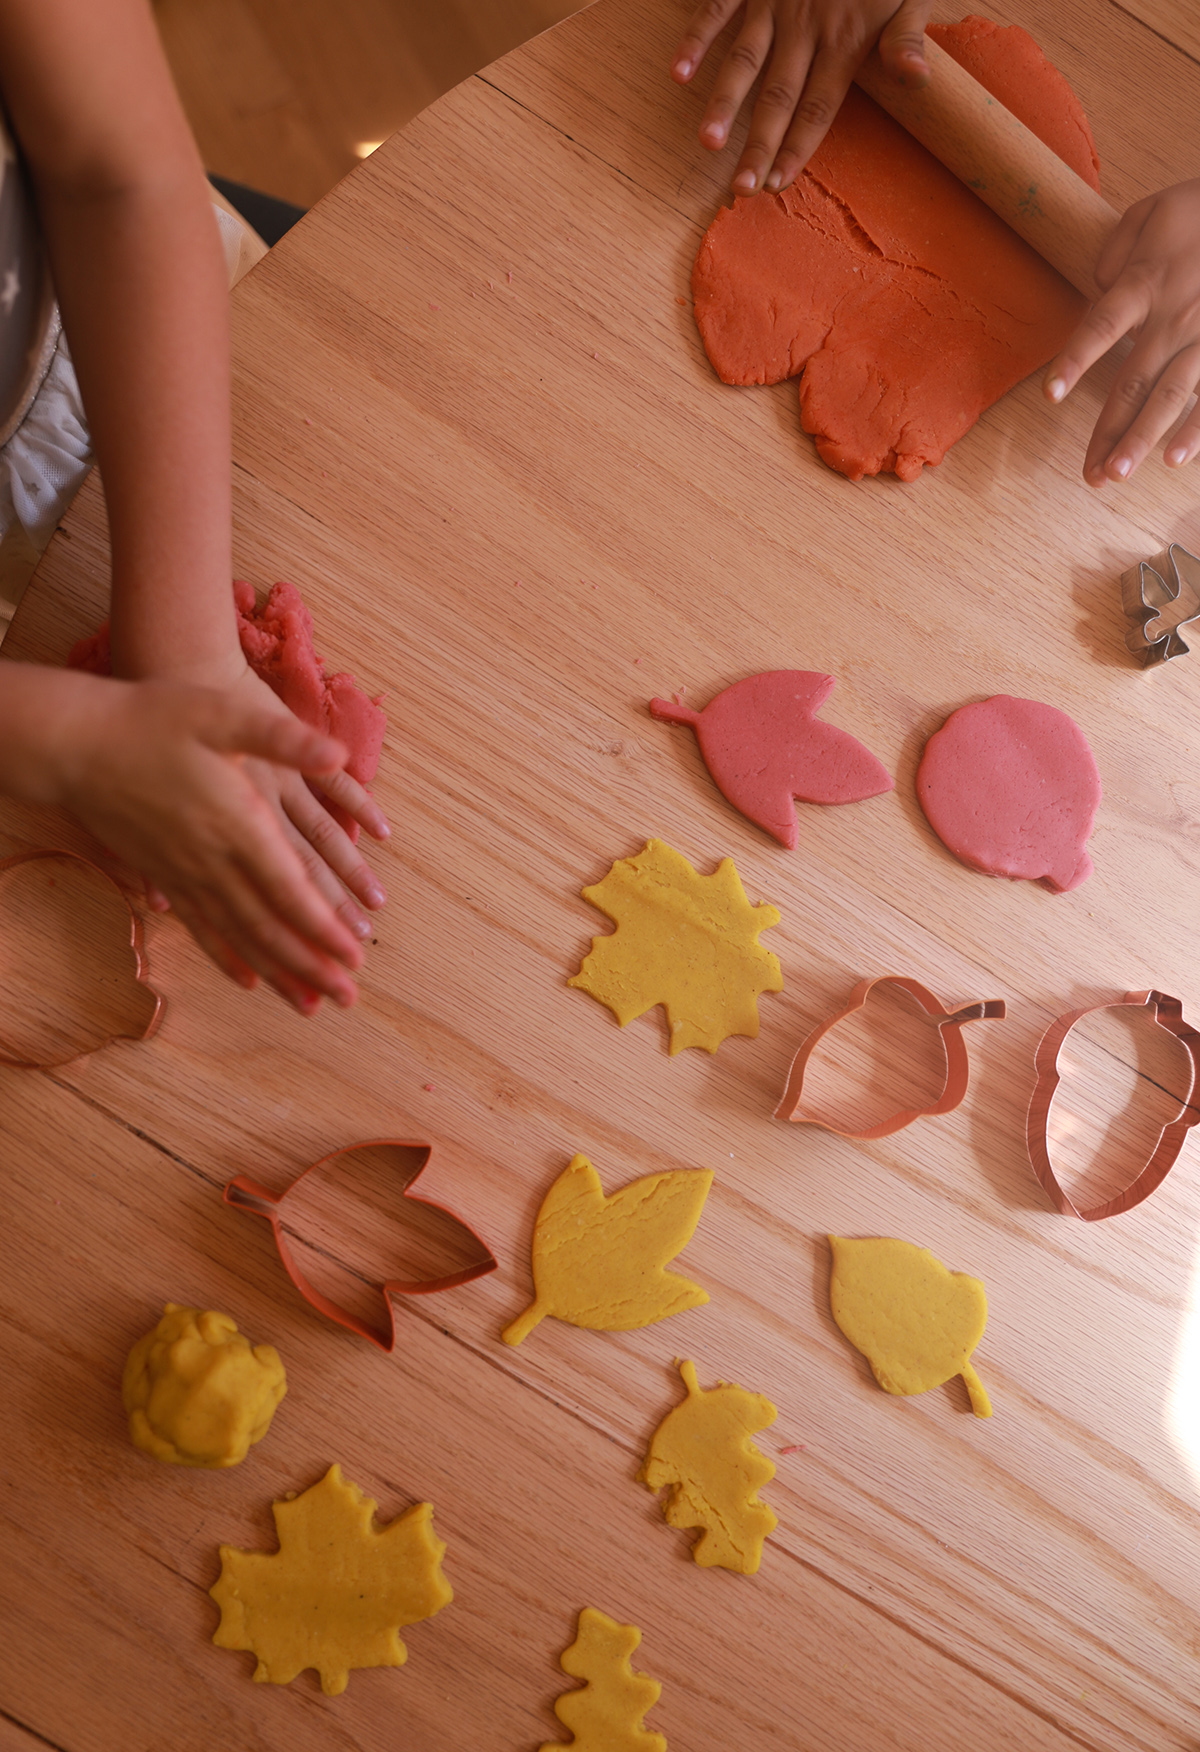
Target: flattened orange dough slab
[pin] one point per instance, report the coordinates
(906, 304)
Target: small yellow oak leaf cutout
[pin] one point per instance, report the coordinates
(599, 1262)
(338, 1590)
(702, 1450)
(915, 1322)
(606, 1715)
(685, 941)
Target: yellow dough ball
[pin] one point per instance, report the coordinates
(197, 1392)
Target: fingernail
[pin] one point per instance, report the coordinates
(360, 927)
(345, 996)
(381, 830)
(773, 181)
(683, 68)
(1122, 466)
(744, 182)
(713, 134)
(1056, 388)
(1176, 455)
(375, 897)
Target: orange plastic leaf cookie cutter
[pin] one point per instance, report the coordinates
(949, 1024)
(245, 1195)
(82, 1040)
(1168, 1013)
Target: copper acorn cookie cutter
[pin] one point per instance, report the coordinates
(949, 1024)
(1168, 1013)
(136, 945)
(246, 1195)
(1160, 595)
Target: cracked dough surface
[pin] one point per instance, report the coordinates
(907, 305)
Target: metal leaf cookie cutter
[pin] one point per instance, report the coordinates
(948, 1023)
(1168, 1013)
(154, 1001)
(245, 1195)
(1160, 595)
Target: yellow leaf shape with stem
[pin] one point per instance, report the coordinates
(702, 1450)
(336, 1593)
(914, 1321)
(685, 941)
(606, 1715)
(599, 1262)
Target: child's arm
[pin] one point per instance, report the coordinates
(815, 47)
(1149, 273)
(141, 281)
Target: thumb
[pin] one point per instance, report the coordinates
(277, 736)
(902, 44)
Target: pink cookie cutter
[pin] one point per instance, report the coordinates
(1168, 1013)
(158, 1003)
(245, 1195)
(949, 1024)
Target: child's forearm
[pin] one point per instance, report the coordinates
(141, 281)
(44, 715)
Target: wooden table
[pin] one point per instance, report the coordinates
(474, 423)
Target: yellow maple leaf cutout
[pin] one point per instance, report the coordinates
(914, 1321)
(599, 1262)
(702, 1450)
(606, 1715)
(685, 941)
(336, 1593)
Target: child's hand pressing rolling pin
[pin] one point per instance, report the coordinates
(1149, 275)
(811, 50)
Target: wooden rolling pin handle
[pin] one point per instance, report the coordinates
(1001, 160)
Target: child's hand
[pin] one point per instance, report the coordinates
(202, 793)
(815, 47)
(1149, 274)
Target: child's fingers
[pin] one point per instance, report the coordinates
(349, 795)
(1110, 318)
(271, 735)
(828, 82)
(703, 28)
(791, 93)
(331, 851)
(902, 44)
(1160, 409)
(739, 70)
(1131, 390)
(1114, 257)
(1186, 443)
(252, 923)
(301, 996)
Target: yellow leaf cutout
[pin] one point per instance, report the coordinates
(702, 1450)
(599, 1261)
(606, 1715)
(338, 1590)
(915, 1322)
(685, 941)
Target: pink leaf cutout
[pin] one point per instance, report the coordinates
(367, 1193)
(765, 747)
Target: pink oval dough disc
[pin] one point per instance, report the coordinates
(1011, 788)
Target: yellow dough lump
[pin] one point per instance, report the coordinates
(599, 1261)
(197, 1392)
(703, 1451)
(685, 941)
(337, 1592)
(606, 1715)
(915, 1322)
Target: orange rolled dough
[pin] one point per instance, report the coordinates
(905, 306)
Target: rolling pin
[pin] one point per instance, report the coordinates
(1001, 160)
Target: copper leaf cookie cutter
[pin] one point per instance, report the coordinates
(245, 1195)
(1160, 595)
(948, 1023)
(1168, 1013)
(157, 1003)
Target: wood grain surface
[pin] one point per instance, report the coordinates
(521, 507)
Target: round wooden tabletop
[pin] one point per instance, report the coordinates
(475, 425)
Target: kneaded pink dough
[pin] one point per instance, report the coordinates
(1011, 788)
(277, 642)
